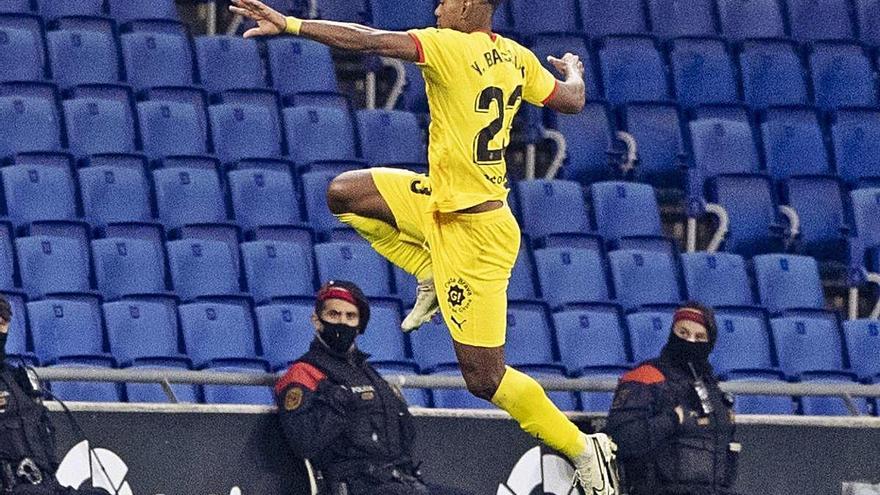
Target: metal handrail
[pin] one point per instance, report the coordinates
(436, 381)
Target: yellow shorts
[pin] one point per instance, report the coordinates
(472, 255)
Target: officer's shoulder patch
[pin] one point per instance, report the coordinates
(301, 374)
(293, 398)
(646, 374)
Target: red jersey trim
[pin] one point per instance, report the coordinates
(300, 374)
(552, 93)
(418, 47)
(646, 374)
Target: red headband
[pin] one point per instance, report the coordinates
(689, 314)
(336, 293)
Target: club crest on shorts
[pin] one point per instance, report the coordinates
(458, 294)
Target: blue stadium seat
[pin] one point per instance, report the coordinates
(38, 192)
(244, 131)
(226, 233)
(529, 336)
(414, 397)
(171, 128)
(355, 261)
(260, 395)
(750, 202)
(589, 136)
(723, 147)
(866, 215)
(432, 346)
(21, 56)
(643, 278)
(263, 197)
(863, 343)
(195, 96)
(541, 16)
(633, 70)
(229, 62)
(258, 97)
(7, 257)
(300, 65)
(316, 134)
(824, 224)
(140, 330)
(831, 406)
(17, 341)
(344, 10)
(28, 124)
(703, 72)
(86, 391)
(571, 275)
(673, 18)
(382, 339)
(188, 196)
(542, 202)
(604, 17)
(201, 268)
(125, 10)
(742, 19)
(51, 10)
(648, 333)
(868, 15)
(391, 137)
(656, 126)
(314, 187)
(717, 279)
(591, 339)
(856, 138)
(157, 59)
(82, 57)
(793, 143)
(826, 20)
(154, 393)
(277, 269)
(30, 22)
(558, 44)
(98, 126)
(414, 97)
(65, 328)
(52, 264)
(788, 282)
(285, 331)
(625, 209)
(772, 74)
(761, 404)
(387, 14)
(743, 344)
(128, 266)
(523, 276)
(807, 344)
(215, 332)
(16, 6)
(842, 75)
(114, 194)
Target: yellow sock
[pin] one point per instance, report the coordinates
(524, 399)
(385, 239)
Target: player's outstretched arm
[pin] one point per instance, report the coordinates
(571, 94)
(346, 36)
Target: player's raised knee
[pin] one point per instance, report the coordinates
(341, 192)
(482, 385)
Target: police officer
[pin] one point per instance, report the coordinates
(672, 423)
(338, 412)
(27, 438)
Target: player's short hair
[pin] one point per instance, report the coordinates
(5, 310)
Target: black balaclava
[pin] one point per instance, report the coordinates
(681, 352)
(339, 337)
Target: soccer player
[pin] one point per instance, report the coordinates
(453, 230)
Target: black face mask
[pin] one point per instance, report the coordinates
(681, 351)
(338, 336)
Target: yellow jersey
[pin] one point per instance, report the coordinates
(475, 83)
